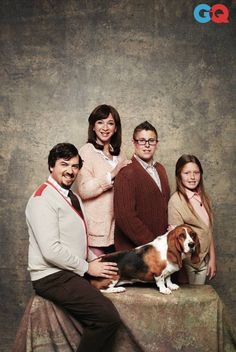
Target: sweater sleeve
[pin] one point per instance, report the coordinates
(43, 220)
(90, 185)
(174, 215)
(91, 256)
(125, 214)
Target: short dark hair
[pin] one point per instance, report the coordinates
(99, 113)
(63, 151)
(144, 126)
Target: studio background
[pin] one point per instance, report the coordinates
(152, 61)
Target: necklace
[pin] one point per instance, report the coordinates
(196, 197)
(108, 152)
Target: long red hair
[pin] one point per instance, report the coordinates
(181, 162)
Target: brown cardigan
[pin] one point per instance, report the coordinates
(140, 207)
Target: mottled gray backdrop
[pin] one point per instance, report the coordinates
(148, 58)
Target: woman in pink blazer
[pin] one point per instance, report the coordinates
(102, 162)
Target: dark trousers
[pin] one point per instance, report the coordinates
(94, 311)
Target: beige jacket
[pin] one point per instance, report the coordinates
(179, 213)
(96, 191)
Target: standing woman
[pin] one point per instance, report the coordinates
(190, 205)
(102, 162)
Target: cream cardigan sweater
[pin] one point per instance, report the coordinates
(57, 235)
(96, 191)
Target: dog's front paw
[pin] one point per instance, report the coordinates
(165, 290)
(119, 289)
(114, 290)
(172, 286)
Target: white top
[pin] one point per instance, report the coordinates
(112, 162)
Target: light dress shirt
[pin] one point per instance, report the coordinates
(151, 170)
(197, 205)
(62, 190)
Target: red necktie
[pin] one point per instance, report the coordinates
(75, 203)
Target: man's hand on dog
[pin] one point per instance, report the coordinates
(102, 269)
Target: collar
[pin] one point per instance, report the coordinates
(191, 194)
(114, 157)
(98, 150)
(144, 164)
(62, 190)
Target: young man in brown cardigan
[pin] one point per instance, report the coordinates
(141, 193)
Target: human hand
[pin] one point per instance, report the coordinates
(211, 269)
(119, 166)
(171, 227)
(103, 269)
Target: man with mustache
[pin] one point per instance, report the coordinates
(59, 257)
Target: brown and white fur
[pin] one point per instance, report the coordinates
(154, 261)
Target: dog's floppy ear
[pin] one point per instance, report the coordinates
(195, 255)
(174, 248)
(179, 239)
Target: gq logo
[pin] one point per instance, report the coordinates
(218, 13)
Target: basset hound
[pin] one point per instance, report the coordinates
(154, 261)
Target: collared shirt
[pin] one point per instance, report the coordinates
(196, 202)
(150, 168)
(63, 191)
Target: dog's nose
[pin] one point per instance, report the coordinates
(191, 245)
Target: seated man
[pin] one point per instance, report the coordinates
(59, 255)
(141, 193)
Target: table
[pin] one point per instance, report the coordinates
(191, 319)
